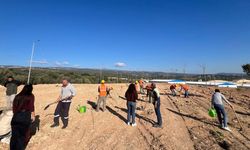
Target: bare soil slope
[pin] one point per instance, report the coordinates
(186, 123)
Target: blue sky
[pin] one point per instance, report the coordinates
(144, 34)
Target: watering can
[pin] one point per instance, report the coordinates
(212, 112)
(82, 109)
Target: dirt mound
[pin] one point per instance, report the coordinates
(186, 124)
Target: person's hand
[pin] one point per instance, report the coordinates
(32, 118)
(58, 99)
(155, 104)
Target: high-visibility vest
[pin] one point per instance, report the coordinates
(103, 90)
(185, 87)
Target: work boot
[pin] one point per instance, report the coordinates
(64, 127)
(54, 125)
(157, 126)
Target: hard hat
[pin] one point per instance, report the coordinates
(103, 81)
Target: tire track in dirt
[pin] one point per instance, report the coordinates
(184, 121)
(177, 135)
(201, 103)
(152, 141)
(239, 135)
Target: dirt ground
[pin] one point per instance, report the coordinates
(186, 124)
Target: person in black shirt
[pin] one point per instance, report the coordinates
(11, 90)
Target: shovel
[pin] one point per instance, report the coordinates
(241, 127)
(56, 102)
(50, 105)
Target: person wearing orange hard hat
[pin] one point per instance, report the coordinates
(103, 90)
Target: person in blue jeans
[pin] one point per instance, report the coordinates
(217, 104)
(157, 104)
(131, 96)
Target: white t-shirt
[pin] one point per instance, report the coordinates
(67, 91)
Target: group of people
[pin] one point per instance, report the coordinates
(132, 96)
(23, 108)
(22, 105)
(183, 87)
(216, 103)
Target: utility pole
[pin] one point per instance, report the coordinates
(31, 60)
(204, 67)
(100, 75)
(117, 76)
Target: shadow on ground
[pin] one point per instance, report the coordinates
(193, 117)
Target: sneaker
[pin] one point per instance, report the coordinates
(128, 123)
(221, 126)
(54, 125)
(227, 129)
(134, 124)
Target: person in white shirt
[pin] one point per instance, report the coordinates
(218, 105)
(63, 106)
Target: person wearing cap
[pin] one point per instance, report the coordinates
(11, 90)
(157, 104)
(64, 100)
(217, 104)
(103, 90)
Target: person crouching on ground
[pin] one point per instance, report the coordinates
(24, 114)
(131, 96)
(185, 88)
(103, 90)
(173, 89)
(157, 104)
(218, 105)
(64, 100)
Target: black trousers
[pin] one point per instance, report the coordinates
(62, 110)
(20, 124)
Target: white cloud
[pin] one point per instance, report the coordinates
(65, 63)
(120, 64)
(58, 63)
(40, 61)
(77, 66)
(61, 64)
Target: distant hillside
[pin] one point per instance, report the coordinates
(84, 75)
